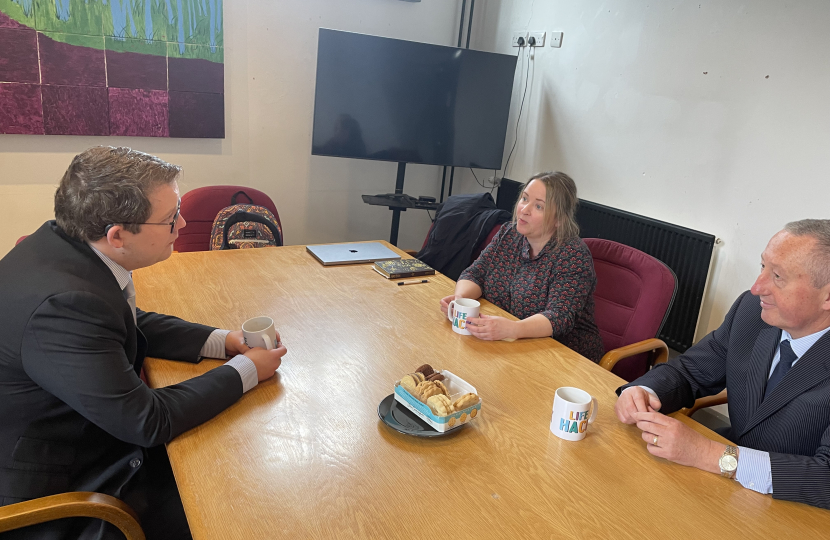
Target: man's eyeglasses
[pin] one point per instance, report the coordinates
(172, 224)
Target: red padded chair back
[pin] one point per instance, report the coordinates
(477, 251)
(20, 239)
(200, 206)
(633, 296)
(486, 242)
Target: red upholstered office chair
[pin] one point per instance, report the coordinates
(634, 294)
(200, 206)
(477, 251)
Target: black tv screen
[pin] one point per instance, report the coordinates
(393, 100)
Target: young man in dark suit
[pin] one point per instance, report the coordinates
(772, 353)
(74, 414)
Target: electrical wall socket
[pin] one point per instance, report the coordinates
(515, 40)
(539, 38)
(556, 39)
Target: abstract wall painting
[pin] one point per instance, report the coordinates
(141, 68)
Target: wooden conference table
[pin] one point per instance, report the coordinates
(304, 455)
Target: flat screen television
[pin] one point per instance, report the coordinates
(394, 100)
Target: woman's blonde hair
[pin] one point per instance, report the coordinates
(560, 205)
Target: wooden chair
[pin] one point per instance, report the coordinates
(74, 504)
(632, 300)
(708, 401)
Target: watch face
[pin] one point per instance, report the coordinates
(728, 463)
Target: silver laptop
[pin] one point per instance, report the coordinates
(364, 252)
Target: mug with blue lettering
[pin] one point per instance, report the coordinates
(459, 311)
(573, 411)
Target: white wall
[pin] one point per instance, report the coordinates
(624, 107)
(270, 63)
(714, 115)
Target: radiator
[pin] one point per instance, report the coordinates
(687, 252)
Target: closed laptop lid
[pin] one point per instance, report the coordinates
(363, 252)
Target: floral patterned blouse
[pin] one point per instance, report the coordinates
(559, 283)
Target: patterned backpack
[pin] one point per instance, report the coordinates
(244, 226)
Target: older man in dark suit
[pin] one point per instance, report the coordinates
(772, 353)
(74, 414)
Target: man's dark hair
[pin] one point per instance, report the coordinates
(106, 185)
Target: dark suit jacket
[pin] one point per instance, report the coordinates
(792, 424)
(74, 415)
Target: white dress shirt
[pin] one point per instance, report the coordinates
(214, 346)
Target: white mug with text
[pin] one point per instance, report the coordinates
(459, 311)
(260, 332)
(573, 411)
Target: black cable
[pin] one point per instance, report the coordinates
(519, 119)
(476, 177)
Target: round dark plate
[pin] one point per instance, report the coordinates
(399, 418)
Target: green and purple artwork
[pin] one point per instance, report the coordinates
(143, 68)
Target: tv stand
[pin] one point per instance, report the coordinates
(399, 202)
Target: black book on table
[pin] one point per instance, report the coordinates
(403, 268)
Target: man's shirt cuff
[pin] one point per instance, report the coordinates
(214, 347)
(649, 390)
(247, 371)
(754, 470)
(646, 388)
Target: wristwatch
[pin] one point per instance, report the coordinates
(729, 462)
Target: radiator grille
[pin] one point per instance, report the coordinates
(687, 252)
